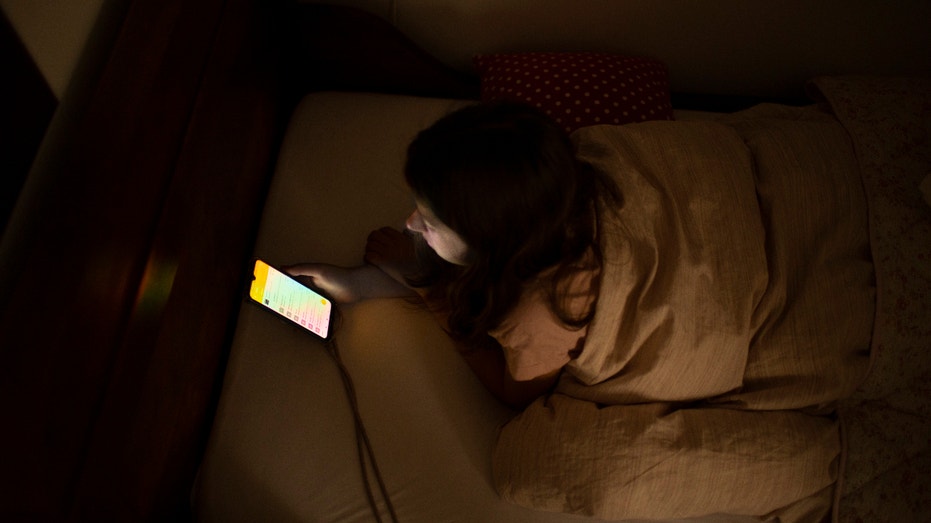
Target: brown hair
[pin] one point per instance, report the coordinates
(505, 178)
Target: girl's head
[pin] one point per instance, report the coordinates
(500, 194)
(502, 177)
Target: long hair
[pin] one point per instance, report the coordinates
(505, 178)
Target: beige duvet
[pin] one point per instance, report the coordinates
(736, 308)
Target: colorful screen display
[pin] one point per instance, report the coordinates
(282, 294)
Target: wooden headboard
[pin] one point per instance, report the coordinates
(122, 263)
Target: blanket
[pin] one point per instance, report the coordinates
(736, 312)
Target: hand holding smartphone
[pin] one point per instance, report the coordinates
(292, 300)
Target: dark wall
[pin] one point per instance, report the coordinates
(26, 107)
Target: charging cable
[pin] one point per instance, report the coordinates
(362, 440)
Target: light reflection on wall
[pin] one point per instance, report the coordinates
(155, 286)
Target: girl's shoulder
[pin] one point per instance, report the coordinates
(568, 291)
(535, 334)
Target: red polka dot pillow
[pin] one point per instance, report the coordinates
(579, 89)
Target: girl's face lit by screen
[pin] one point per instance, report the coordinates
(443, 240)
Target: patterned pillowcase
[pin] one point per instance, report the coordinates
(579, 89)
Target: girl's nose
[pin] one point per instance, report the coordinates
(415, 222)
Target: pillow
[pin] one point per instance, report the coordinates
(579, 89)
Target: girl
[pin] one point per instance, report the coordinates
(502, 245)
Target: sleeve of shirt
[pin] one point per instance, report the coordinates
(535, 342)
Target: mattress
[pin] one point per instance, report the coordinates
(283, 445)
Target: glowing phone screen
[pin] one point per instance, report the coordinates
(282, 294)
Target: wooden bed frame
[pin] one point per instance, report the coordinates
(122, 264)
(27, 107)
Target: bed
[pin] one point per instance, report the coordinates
(796, 391)
(207, 133)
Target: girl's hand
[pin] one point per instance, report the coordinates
(339, 283)
(392, 251)
(349, 284)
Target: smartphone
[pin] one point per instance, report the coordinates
(291, 299)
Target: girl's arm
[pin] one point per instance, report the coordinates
(350, 284)
(392, 252)
(388, 254)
